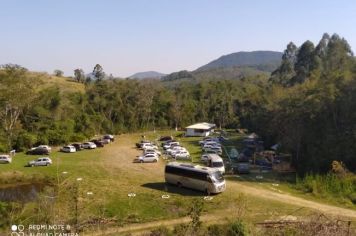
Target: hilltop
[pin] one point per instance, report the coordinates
(147, 75)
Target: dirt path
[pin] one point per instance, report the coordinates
(293, 200)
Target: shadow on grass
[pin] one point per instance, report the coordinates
(169, 188)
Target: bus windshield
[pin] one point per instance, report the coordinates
(217, 177)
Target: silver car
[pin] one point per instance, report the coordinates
(150, 157)
(5, 159)
(42, 161)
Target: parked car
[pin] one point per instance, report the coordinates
(89, 145)
(110, 137)
(68, 149)
(42, 161)
(168, 142)
(216, 150)
(148, 158)
(169, 145)
(182, 155)
(46, 147)
(165, 138)
(209, 139)
(97, 142)
(78, 146)
(152, 151)
(38, 151)
(174, 149)
(5, 159)
(149, 146)
(106, 140)
(139, 144)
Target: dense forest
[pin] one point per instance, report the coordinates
(308, 105)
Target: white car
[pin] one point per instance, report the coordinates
(182, 155)
(146, 151)
(68, 149)
(170, 145)
(149, 146)
(207, 140)
(211, 144)
(45, 147)
(89, 145)
(150, 157)
(42, 161)
(174, 149)
(5, 159)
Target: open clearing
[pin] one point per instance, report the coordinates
(111, 175)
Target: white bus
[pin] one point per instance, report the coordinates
(196, 177)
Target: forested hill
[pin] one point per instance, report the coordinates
(233, 66)
(262, 60)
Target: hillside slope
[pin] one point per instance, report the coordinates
(261, 60)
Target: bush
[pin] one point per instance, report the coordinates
(237, 228)
(25, 141)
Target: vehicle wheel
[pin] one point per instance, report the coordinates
(155, 160)
(179, 185)
(207, 192)
(32, 165)
(141, 161)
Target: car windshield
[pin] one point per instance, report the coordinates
(217, 164)
(217, 177)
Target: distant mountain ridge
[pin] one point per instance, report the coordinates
(262, 60)
(147, 75)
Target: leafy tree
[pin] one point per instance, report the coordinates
(79, 75)
(98, 72)
(285, 72)
(58, 73)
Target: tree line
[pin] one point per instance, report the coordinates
(307, 105)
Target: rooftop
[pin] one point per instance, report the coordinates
(203, 125)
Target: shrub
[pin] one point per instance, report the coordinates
(237, 228)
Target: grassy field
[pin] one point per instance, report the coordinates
(107, 175)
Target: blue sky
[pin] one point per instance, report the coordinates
(162, 35)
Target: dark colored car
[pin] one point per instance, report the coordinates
(38, 151)
(165, 138)
(167, 142)
(98, 142)
(78, 146)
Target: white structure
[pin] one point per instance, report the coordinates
(200, 129)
